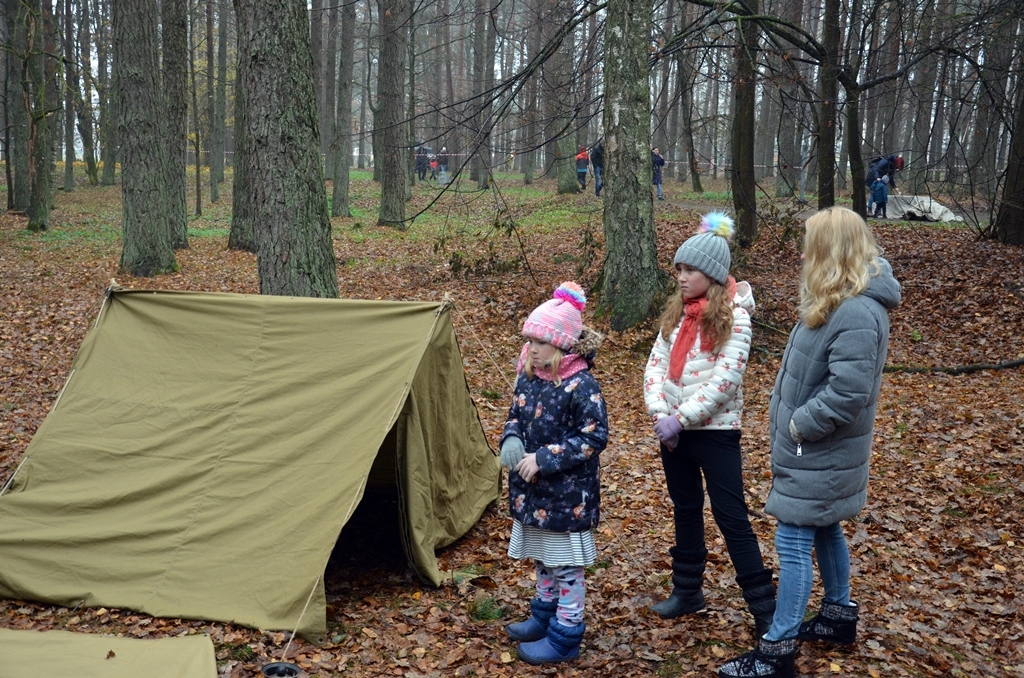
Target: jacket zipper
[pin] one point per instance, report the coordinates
(799, 450)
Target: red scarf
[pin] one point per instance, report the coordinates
(687, 335)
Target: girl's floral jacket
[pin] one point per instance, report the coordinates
(567, 426)
(709, 393)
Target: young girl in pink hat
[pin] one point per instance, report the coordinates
(555, 432)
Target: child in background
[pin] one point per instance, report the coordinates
(555, 432)
(692, 387)
(820, 421)
(880, 196)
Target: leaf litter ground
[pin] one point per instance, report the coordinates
(938, 553)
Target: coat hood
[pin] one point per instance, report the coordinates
(884, 288)
(744, 297)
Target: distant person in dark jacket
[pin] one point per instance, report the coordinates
(597, 162)
(884, 167)
(422, 163)
(657, 162)
(821, 420)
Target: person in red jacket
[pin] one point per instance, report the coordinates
(582, 164)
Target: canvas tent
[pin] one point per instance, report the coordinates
(208, 448)
(82, 655)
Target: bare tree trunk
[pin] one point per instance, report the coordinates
(220, 111)
(744, 188)
(194, 91)
(630, 276)
(388, 123)
(328, 124)
(282, 150)
(827, 107)
(107, 87)
(148, 247)
(211, 105)
(16, 110)
(71, 87)
(343, 136)
(83, 96)
(40, 136)
(243, 227)
(1009, 223)
(316, 46)
(176, 57)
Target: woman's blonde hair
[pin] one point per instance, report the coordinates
(840, 258)
(556, 362)
(716, 321)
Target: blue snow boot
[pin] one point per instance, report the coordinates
(561, 644)
(536, 627)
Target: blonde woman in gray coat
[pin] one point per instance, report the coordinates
(821, 418)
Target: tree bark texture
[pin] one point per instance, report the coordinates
(83, 96)
(40, 135)
(243, 232)
(630, 277)
(295, 256)
(827, 108)
(175, 103)
(148, 240)
(110, 144)
(220, 112)
(16, 110)
(343, 115)
(744, 188)
(389, 120)
(70, 88)
(1009, 224)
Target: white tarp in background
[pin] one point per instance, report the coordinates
(918, 207)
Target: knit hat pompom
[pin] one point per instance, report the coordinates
(718, 223)
(708, 251)
(558, 321)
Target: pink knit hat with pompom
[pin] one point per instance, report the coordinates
(558, 321)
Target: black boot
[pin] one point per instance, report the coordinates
(687, 582)
(834, 623)
(759, 592)
(771, 659)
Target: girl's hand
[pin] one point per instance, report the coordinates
(668, 428)
(528, 467)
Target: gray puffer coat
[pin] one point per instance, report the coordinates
(828, 386)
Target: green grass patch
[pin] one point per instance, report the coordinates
(484, 609)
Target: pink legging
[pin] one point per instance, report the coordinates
(566, 585)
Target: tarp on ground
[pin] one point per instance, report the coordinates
(63, 653)
(208, 448)
(918, 208)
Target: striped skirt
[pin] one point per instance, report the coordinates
(554, 549)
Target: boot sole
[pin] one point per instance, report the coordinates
(540, 662)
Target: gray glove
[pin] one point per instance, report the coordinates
(512, 452)
(794, 433)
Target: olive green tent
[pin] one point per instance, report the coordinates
(208, 448)
(82, 655)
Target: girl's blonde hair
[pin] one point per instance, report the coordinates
(840, 258)
(716, 322)
(556, 362)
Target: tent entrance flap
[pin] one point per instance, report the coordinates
(203, 432)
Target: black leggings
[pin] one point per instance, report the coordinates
(711, 456)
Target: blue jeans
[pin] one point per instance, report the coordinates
(796, 573)
(598, 171)
(657, 185)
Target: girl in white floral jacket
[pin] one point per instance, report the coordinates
(692, 387)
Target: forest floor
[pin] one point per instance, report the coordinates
(938, 552)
